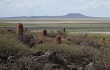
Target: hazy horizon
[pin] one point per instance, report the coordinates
(14, 8)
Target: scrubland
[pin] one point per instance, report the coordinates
(79, 51)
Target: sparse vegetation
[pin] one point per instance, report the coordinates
(78, 49)
(70, 27)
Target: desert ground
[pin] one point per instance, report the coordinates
(43, 44)
(71, 25)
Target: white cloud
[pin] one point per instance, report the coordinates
(102, 4)
(16, 4)
(82, 5)
(52, 7)
(93, 4)
(21, 5)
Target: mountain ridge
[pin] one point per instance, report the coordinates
(69, 15)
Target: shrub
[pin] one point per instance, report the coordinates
(102, 59)
(10, 45)
(85, 39)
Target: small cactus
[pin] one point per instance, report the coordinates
(64, 30)
(68, 39)
(44, 33)
(8, 30)
(19, 30)
(58, 39)
(103, 41)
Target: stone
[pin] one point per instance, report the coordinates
(3, 57)
(90, 66)
(39, 53)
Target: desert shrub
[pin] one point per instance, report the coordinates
(70, 52)
(10, 45)
(80, 50)
(85, 39)
(28, 63)
(52, 34)
(80, 54)
(24, 63)
(102, 59)
(63, 33)
(29, 40)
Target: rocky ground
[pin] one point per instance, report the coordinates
(44, 61)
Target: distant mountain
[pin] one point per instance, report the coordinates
(70, 15)
(75, 15)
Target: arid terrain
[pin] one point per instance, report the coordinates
(72, 25)
(54, 44)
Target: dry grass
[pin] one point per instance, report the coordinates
(79, 48)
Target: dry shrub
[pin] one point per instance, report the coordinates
(52, 34)
(28, 63)
(29, 40)
(80, 50)
(102, 59)
(10, 45)
(85, 39)
(25, 63)
(70, 52)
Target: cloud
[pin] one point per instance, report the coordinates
(51, 7)
(21, 5)
(17, 4)
(62, 4)
(93, 4)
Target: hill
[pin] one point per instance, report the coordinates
(70, 15)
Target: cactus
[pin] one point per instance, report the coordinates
(20, 31)
(44, 33)
(64, 30)
(103, 41)
(68, 39)
(58, 39)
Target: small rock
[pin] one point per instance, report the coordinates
(3, 57)
(72, 67)
(11, 58)
(90, 66)
(39, 53)
(56, 58)
(53, 67)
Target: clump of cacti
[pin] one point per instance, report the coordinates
(44, 33)
(103, 41)
(19, 30)
(58, 39)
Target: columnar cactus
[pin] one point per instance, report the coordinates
(44, 33)
(58, 39)
(19, 30)
(64, 30)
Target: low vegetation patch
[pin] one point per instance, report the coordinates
(80, 49)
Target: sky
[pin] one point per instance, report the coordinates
(12, 8)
